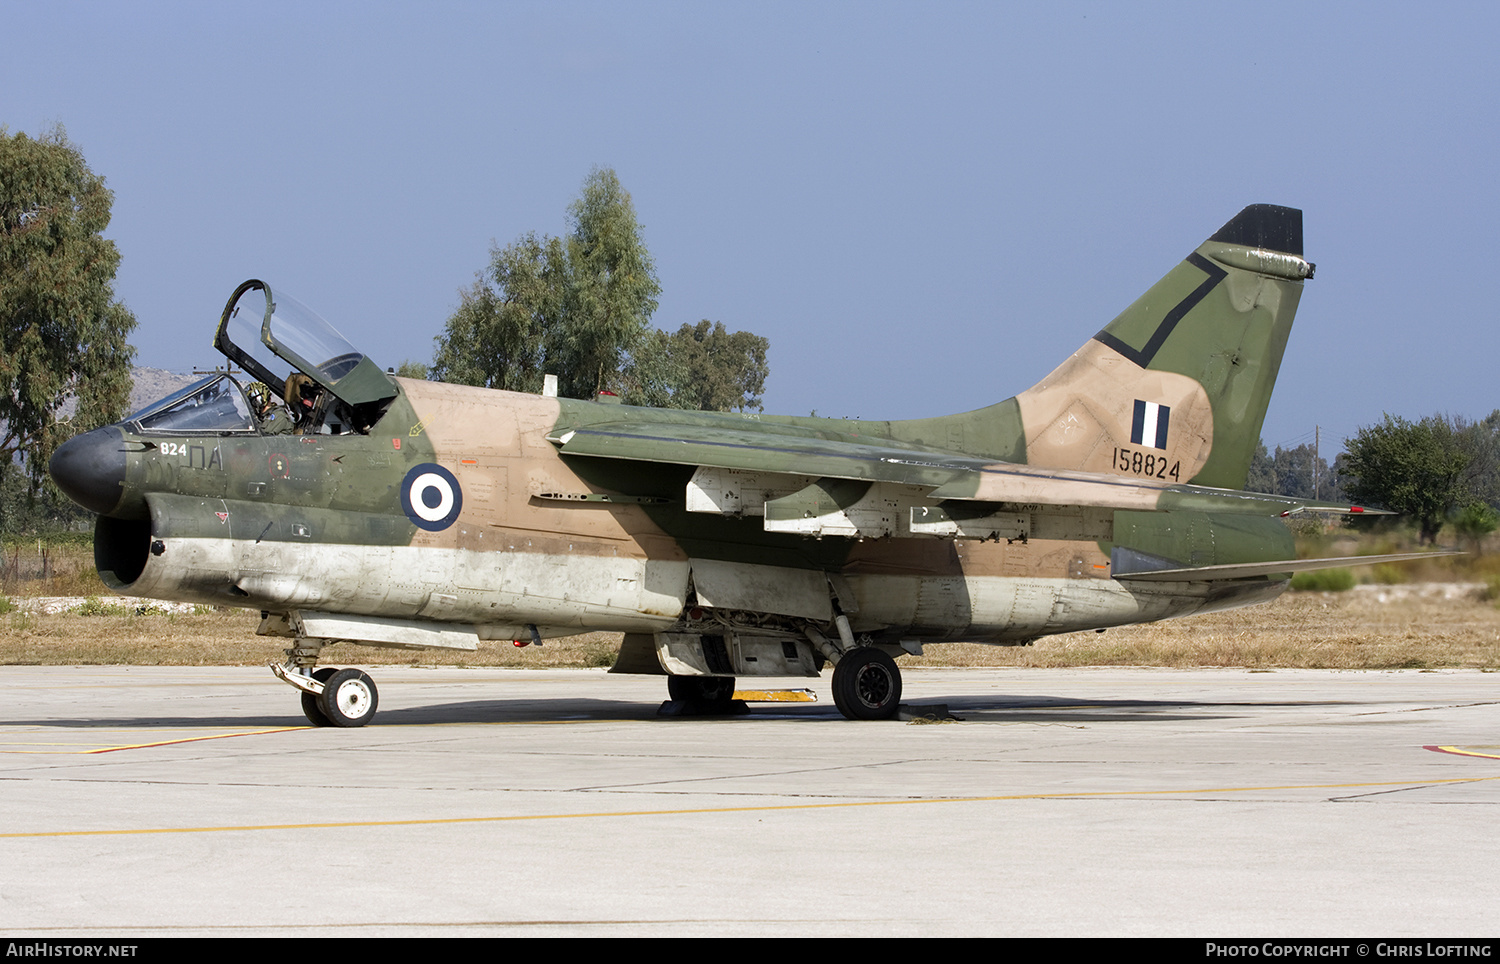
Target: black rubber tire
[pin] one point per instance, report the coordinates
(349, 698)
(310, 707)
(709, 692)
(867, 684)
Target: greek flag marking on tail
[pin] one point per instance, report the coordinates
(1150, 424)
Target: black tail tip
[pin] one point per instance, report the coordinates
(1267, 226)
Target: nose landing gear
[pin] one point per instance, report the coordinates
(330, 697)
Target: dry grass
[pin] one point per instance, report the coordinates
(115, 634)
(1369, 628)
(227, 638)
(36, 569)
(1375, 626)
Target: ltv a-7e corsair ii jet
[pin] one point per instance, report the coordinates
(355, 506)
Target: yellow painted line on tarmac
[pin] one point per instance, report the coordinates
(692, 811)
(1460, 751)
(69, 748)
(198, 739)
(112, 747)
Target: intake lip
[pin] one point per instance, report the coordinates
(90, 469)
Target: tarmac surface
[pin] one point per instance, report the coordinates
(1206, 803)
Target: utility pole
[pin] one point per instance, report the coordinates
(1317, 438)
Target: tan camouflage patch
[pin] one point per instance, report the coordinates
(1082, 415)
(495, 444)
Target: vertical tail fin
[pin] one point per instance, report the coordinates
(1177, 385)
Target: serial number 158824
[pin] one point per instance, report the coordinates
(1147, 464)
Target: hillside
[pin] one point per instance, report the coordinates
(148, 385)
(151, 384)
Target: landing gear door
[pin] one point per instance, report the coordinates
(272, 336)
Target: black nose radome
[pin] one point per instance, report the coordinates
(90, 468)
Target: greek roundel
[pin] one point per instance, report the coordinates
(431, 497)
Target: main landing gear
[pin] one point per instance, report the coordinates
(866, 679)
(867, 684)
(702, 696)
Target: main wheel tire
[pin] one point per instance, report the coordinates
(310, 707)
(709, 692)
(349, 698)
(867, 684)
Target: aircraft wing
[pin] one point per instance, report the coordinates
(947, 475)
(872, 460)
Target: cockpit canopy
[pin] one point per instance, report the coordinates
(275, 337)
(214, 405)
(291, 354)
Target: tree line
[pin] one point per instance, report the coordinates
(1436, 471)
(578, 306)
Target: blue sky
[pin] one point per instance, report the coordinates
(924, 207)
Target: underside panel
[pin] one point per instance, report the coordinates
(731, 654)
(762, 589)
(401, 633)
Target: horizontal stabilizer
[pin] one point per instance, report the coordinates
(1248, 570)
(1337, 508)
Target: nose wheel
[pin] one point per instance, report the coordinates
(310, 707)
(349, 698)
(332, 697)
